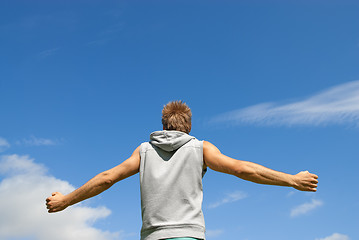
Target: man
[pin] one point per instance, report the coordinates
(171, 168)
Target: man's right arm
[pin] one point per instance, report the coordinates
(96, 185)
(214, 159)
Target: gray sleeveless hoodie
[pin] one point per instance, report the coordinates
(171, 172)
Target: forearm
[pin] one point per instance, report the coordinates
(93, 187)
(259, 174)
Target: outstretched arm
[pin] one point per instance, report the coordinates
(213, 158)
(98, 184)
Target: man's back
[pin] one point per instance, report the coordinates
(171, 172)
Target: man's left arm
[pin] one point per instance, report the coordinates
(213, 158)
(98, 184)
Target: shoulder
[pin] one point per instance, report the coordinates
(207, 146)
(206, 143)
(194, 142)
(144, 147)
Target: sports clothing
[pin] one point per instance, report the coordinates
(171, 172)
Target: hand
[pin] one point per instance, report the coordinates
(57, 202)
(305, 181)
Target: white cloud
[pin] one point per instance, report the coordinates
(337, 105)
(48, 52)
(291, 193)
(213, 233)
(3, 144)
(113, 29)
(231, 197)
(23, 189)
(20, 165)
(108, 34)
(35, 141)
(305, 208)
(335, 236)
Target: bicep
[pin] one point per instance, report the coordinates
(127, 168)
(217, 161)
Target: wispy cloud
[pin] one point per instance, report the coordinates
(291, 193)
(23, 190)
(48, 52)
(335, 236)
(35, 141)
(3, 144)
(108, 34)
(305, 208)
(213, 233)
(230, 197)
(101, 41)
(336, 105)
(113, 29)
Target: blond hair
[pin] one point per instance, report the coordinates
(176, 115)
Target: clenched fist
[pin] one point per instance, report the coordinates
(57, 202)
(306, 181)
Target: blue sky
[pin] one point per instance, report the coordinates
(82, 84)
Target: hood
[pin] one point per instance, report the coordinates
(169, 140)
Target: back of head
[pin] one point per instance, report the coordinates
(176, 115)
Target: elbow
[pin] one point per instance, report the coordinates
(106, 180)
(109, 182)
(243, 171)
